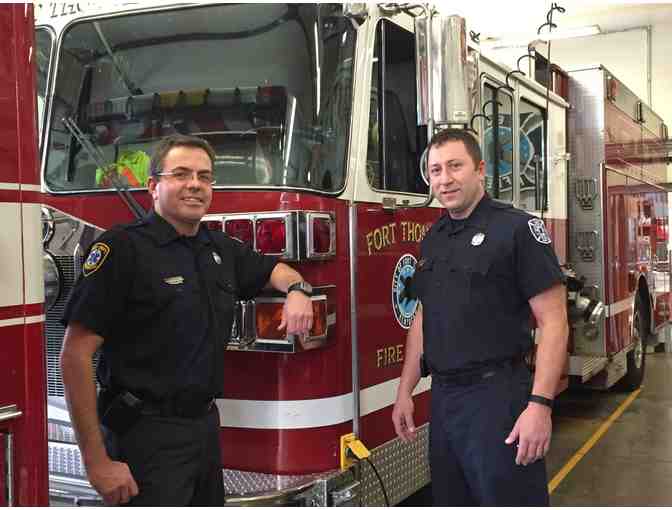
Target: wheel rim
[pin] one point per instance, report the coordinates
(638, 350)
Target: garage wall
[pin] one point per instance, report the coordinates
(625, 55)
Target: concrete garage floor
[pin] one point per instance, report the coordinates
(631, 464)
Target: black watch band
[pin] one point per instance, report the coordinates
(538, 399)
(301, 286)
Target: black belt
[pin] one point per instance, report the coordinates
(178, 408)
(183, 407)
(469, 376)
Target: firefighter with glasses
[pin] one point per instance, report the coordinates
(157, 298)
(485, 270)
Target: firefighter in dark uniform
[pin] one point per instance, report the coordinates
(485, 270)
(157, 297)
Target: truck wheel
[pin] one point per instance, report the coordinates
(636, 358)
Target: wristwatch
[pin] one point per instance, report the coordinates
(301, 286)
(538, 399)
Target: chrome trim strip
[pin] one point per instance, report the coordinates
(9, 413)
(352, 242)
(625, 305)
(9, 468)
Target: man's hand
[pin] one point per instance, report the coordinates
(297, 314)
(402, 417)
(113, 481)
(533, 433)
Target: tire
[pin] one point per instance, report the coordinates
(636, 358)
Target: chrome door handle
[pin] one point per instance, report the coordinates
(7, 413)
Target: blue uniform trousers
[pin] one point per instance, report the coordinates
(469, 461)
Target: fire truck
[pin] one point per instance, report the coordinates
(319, 115)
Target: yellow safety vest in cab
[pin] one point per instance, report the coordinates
(131, 166)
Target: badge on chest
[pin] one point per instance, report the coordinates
(478, 239)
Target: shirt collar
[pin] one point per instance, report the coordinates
(163, 232)
(478, 218)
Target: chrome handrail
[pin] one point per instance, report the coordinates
(7, 413)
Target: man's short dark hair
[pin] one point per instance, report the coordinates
(458, 135)
(171, 141)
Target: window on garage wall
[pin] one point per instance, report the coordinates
(498, 142)
(395, 142)
(532, 150)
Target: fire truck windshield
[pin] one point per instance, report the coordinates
(268, 85)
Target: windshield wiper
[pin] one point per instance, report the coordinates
(108, 169)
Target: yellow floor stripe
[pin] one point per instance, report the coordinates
(560, 476)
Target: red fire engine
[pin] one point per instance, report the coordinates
(319, 115)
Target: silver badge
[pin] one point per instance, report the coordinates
(478, 239)
(217, 258)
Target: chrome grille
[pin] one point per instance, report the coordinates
(54, 331)
(65, 459)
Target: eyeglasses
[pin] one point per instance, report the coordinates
(183, 175)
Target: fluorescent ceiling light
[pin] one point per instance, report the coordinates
(509, 40)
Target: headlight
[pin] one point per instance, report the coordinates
(52, 281)
(47, 225)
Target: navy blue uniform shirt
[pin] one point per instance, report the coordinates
(474, 279)
(163, 304)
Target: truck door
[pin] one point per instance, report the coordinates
(389, 235)
(23, 438)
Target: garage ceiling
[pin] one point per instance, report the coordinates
(502, 18)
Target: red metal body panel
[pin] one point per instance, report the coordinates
(557, 229)
(22, 378)
(294, 451)
(620, 258)
(376, 428)
(383, 239)
(311, 374)
(631, 210)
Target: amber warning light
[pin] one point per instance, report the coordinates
(269, 317)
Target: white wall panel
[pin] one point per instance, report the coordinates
(662, 72)
(11, 269)
(623, 53)
(32, 242)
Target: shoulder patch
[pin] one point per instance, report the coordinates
(539, 231)
(96, 258)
